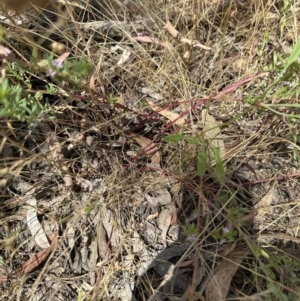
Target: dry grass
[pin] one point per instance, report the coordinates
(125, 219)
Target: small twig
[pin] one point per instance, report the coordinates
(176, 35)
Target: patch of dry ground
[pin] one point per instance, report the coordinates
(95, 205)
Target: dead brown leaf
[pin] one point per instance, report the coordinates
(147, 144)
(3, 274)
(212, 132)
(34, 224)
(162, 198)
(218, 286)
(35, 260)
(103, 245)
(174, 117)
(164, 221)
(3, 278)
(263, 207)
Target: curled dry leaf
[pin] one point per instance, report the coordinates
(125, 54)
(218, 286)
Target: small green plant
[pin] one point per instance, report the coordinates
(18, 106)
(191, 232)
(111, 99)
(203, 159)
(223, 234)
(280, 267)
(16, 102)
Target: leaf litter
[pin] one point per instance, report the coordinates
(102, 201)
(218, 286)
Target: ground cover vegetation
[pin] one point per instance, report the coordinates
(149, 150)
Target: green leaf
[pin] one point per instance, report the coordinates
(3, 112)
(287, 72)
(219, 166)
(1, 33)
(3, 88)
(294, 54)
(290, 71)
(201, 164)
(192, 140)
(282, 91)
(174, 138)
(34, 107)
(34, 56)
(112, 99)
